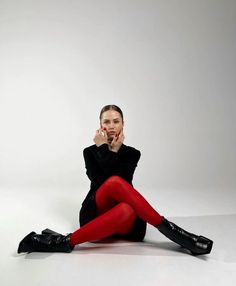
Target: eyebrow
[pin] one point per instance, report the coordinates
(111, 119)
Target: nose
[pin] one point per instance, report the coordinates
(111, 125)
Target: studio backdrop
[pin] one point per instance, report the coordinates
(169, 65)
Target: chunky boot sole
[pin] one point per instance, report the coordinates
(197, 245)
(203, 245)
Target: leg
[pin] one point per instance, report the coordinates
(115, 190)
(126, 203)
(197, 244)
(118, 220)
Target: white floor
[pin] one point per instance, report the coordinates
(156, 261)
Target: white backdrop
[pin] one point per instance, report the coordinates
(170, 65)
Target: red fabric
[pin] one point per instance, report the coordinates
(118, 204)
(118, 220)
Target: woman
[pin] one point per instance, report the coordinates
(113, 207)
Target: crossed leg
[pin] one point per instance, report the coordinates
(118, 205)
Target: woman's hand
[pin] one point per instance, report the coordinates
(100, 137)
(117, 142)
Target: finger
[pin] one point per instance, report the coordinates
(121, 132)
(121, 135)
(99, 132)
(104, 131)
(114, 140)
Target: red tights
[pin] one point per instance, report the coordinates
(118, 205)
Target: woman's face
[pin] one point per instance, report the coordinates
(112, 121)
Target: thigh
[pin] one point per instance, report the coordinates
(104, 202)
(124, 217)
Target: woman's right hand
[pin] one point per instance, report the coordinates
(100, 137)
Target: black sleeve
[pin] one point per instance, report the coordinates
(101, 163)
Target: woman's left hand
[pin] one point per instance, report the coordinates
(117, 142)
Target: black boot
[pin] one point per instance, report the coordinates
(49, 231)
(46, 242)
(196, 244)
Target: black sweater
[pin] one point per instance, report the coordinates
(101, 163)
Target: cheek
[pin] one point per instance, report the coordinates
(120, 127)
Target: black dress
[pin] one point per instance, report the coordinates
(101, 163)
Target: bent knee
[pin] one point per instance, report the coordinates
(127, 218)
(126, 210)
(114, 179)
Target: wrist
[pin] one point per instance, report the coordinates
(114, 149)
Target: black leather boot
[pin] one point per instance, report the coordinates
(196, 244)
(46, 242)
(49, 231)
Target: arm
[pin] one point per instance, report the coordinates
(101, 163)
(106, 153)
(128, 164)
(98, 163)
